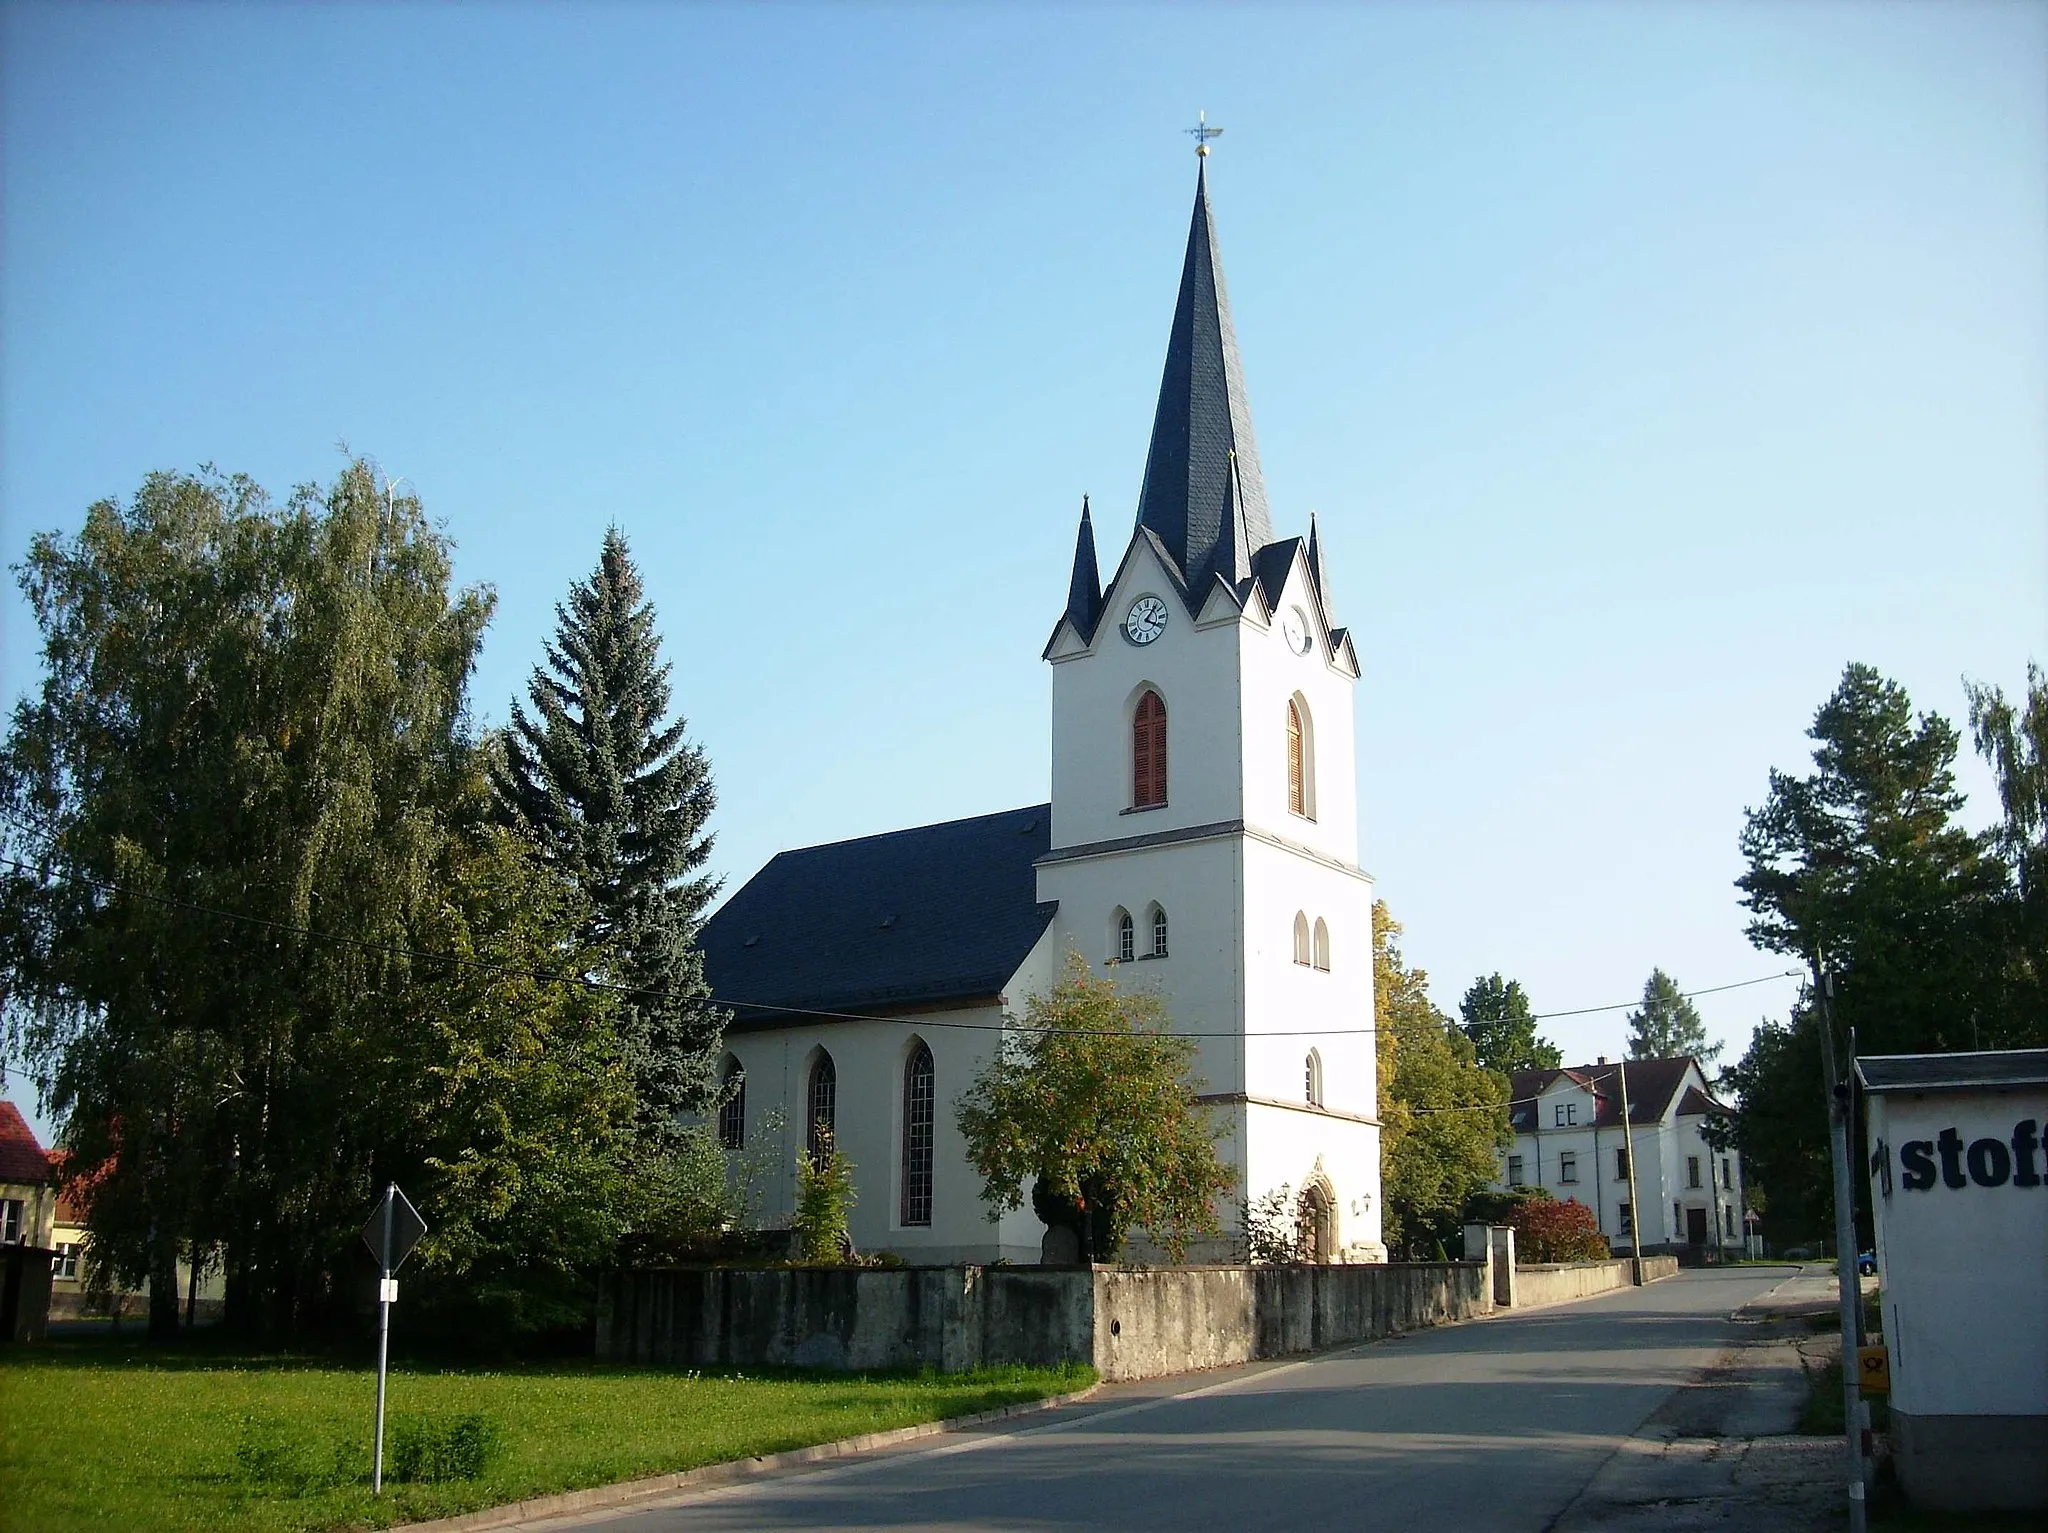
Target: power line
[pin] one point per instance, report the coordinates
(557, 976)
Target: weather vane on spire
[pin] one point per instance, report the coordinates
(1203, 133)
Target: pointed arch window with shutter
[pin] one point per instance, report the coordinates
(1148, 752)
(1301, 758)
(1301, 942)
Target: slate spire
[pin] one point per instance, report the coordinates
(1084, 591)
(1204, 495)
(1315, 557)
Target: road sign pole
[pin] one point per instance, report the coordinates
(1849, 1290)
(383, 1342)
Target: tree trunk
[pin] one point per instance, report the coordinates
(163, 1285)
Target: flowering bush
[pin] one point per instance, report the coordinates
(1547, 1231)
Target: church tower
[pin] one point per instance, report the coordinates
(1204, 836)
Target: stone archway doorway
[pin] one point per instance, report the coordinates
(1317, 1213)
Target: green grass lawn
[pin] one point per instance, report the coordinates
(106, 1434)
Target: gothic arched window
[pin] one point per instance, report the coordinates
(1302, 954)
(821, 1106)
(1321, 950)
(1158, 931)
(1125, 941)
(732, 1107)
(1314, 1083)
(919, 1093)
(1148, 752)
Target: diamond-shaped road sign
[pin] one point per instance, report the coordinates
(394, 1229)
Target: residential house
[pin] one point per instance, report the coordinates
(1569, 1140)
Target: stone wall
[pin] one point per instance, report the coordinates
(1555, 1282)
(1130, 1324)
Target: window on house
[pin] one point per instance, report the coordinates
(1315, 1078)
(1628, 1223)
(1727, 1176)
(10, 1221)
(1148, 752)
(1515, 1171)
(1125, 947)
(1621, 1164)
(1566, 1115)
(1728, 1221)
(1302, 953)
(1692, 1171)
(919, 1093)
(1322, 945)
(732, 1107)
(1568, 1167)
(1158, 932)
(1297, 777)
(821, 1106)
(65, 1268)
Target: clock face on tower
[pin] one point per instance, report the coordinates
(1147, 620)
(1295, 627)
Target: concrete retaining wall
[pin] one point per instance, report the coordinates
(1128, 1324)
(1555, 1282)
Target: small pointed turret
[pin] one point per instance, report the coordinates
(1084, 591)
(1204, 495)
(1315, 559)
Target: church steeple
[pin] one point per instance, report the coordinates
(1204, 496)
(1084, 591)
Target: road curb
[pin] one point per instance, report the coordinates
(599, 1498)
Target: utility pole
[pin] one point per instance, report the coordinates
(1628, 1141)
(1850, 1291)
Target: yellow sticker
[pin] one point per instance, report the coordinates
(1874, 1370)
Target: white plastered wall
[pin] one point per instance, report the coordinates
(869, 1058)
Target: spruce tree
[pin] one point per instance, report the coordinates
(1667, 1026)
(605, 785)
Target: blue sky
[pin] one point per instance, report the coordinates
(1645, 364)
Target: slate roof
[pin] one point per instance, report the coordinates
(1652, 1083)
(21, 1157)
(1203, 493)
(1953, 1072)
(938, 913)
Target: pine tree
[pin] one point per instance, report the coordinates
(605, 785)
(1667, 1026)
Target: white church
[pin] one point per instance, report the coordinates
(1201, 840)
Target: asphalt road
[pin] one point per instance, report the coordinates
(1495, 1424)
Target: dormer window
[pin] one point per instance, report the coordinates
(1566, 1115)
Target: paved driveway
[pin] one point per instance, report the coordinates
(1496, 1424)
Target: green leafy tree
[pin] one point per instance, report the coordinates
(1666, 1026)
(1093, 1096)
(606, 786)
(1443, 1116)
(1862, 864)
(2013, 740)
(238, 808)
(1496, 1016)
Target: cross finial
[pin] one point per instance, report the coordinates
(1203, 133)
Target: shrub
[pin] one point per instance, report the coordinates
(442, 1447)
(824, 1193)
(1547, 1231)
(1272, 1228)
